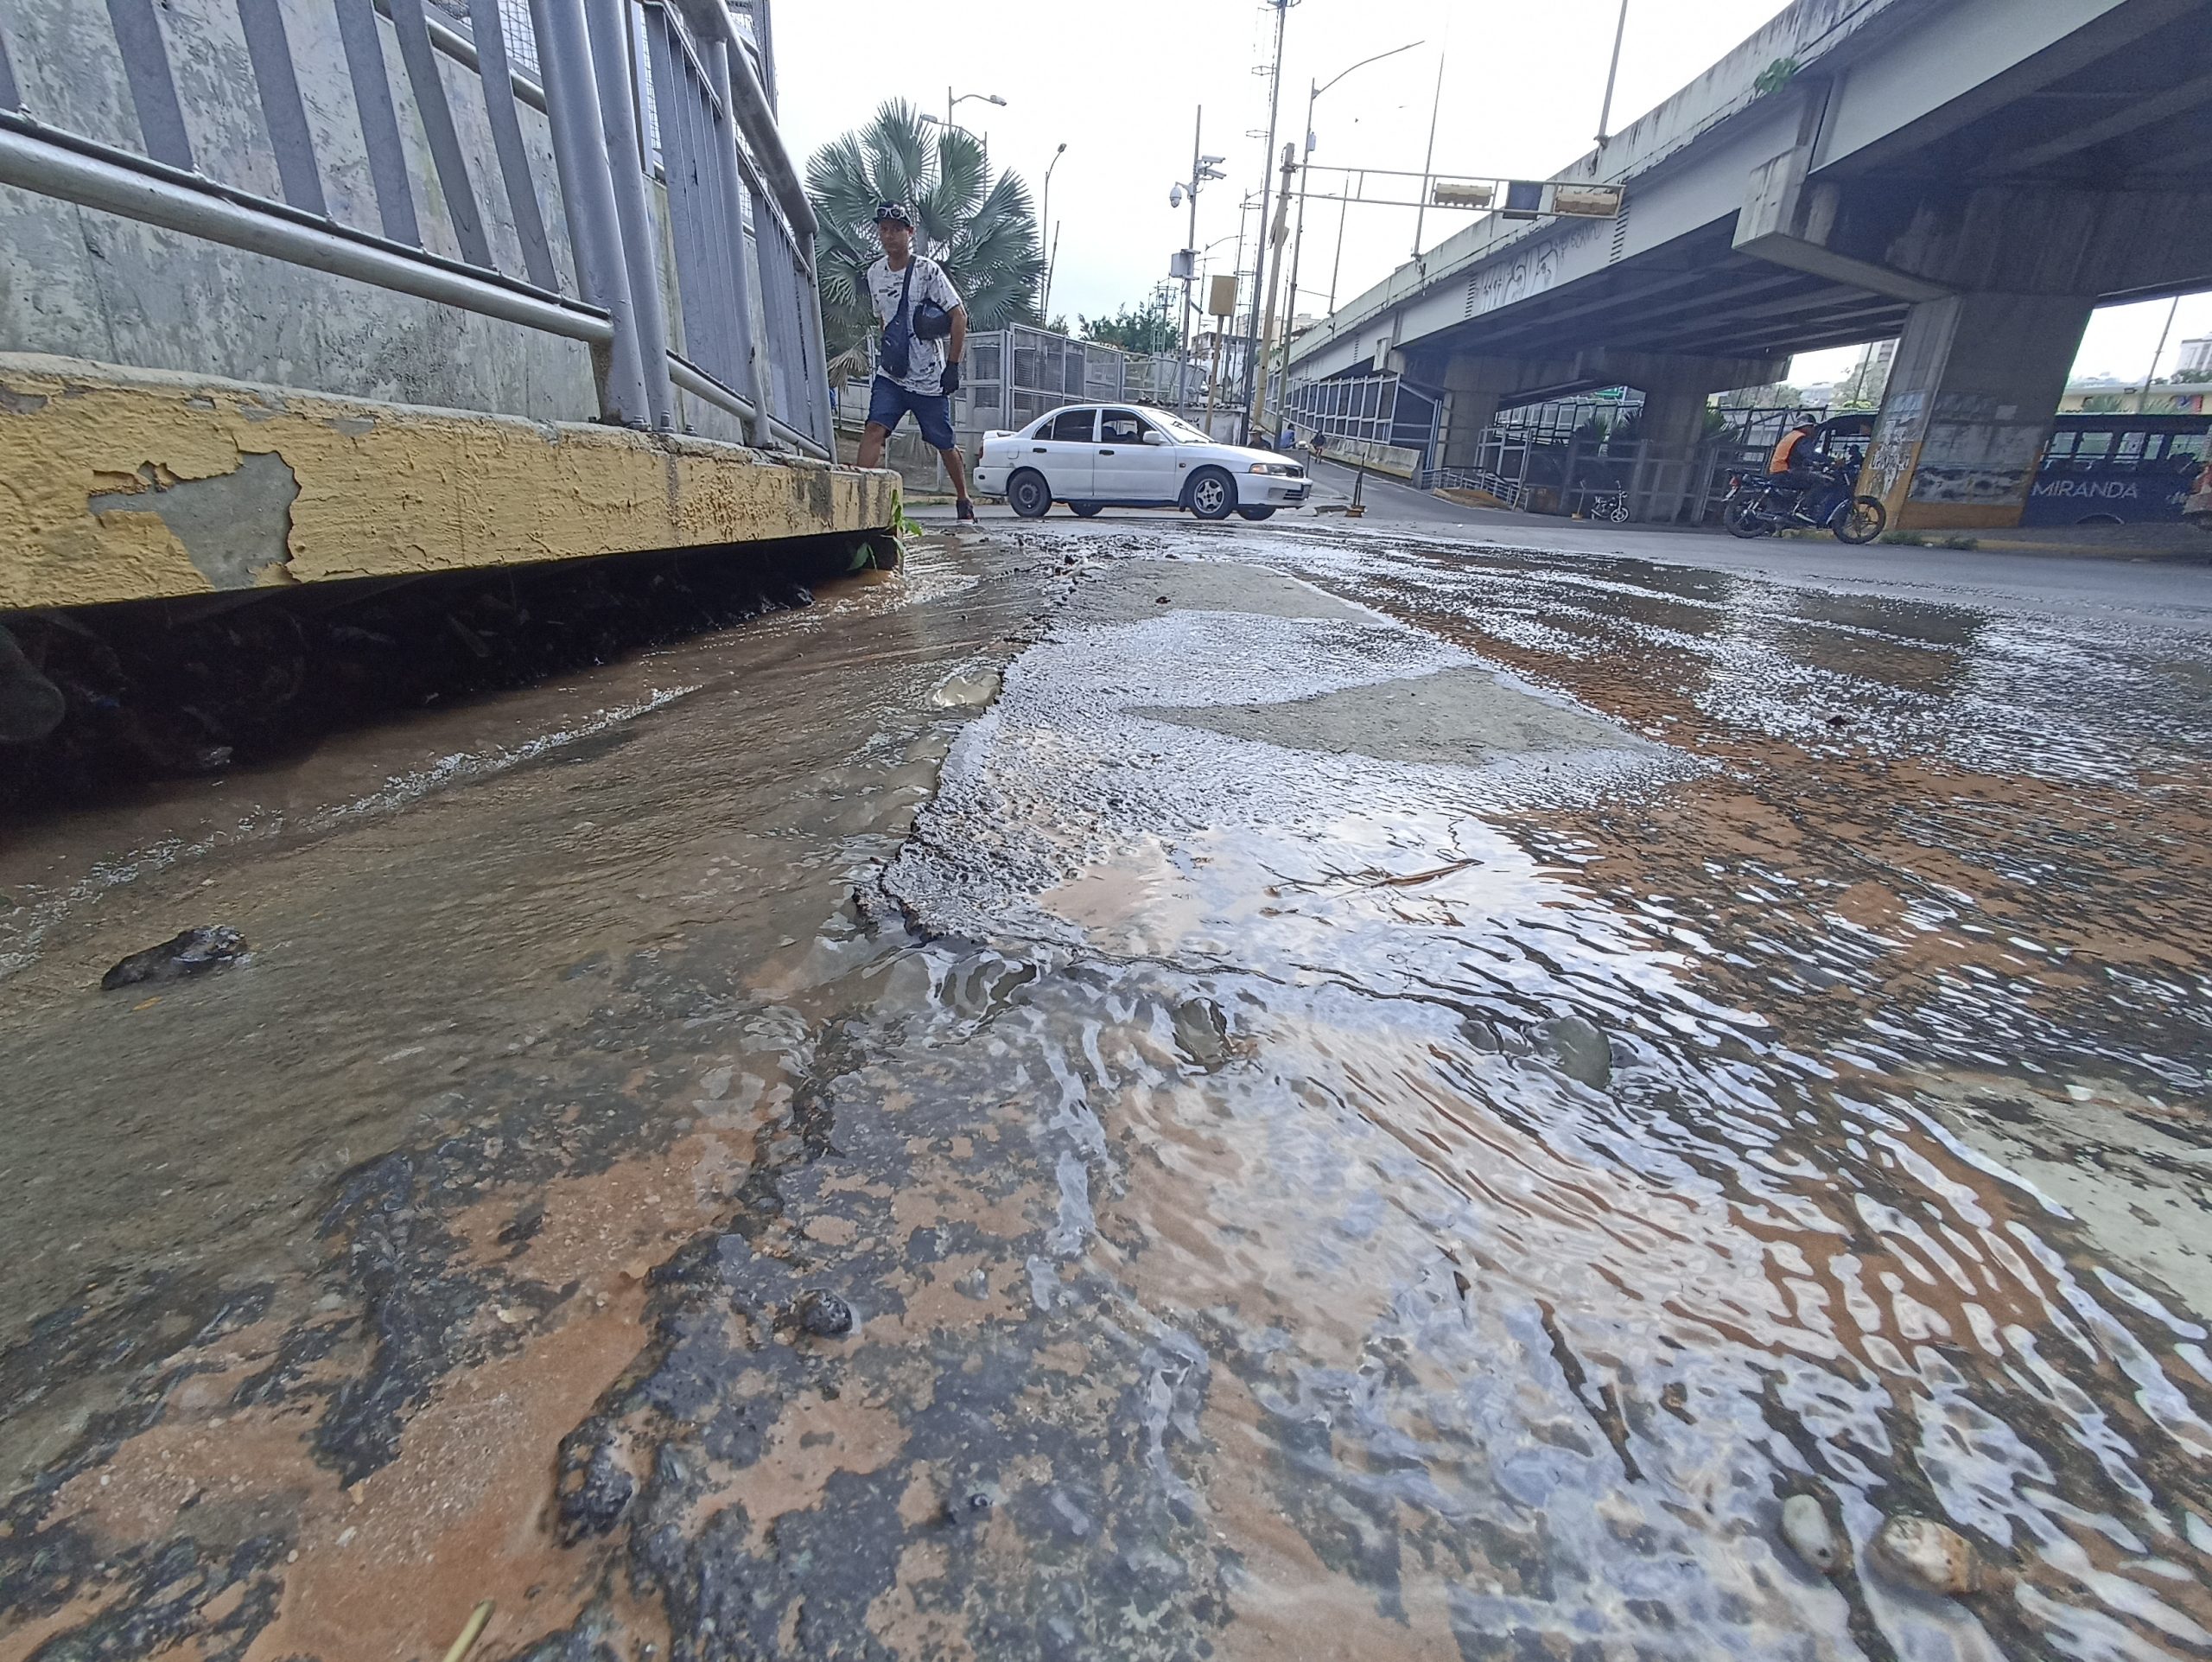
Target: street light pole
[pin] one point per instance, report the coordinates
(1298, 247)
(1044, 219)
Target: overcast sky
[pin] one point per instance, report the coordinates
(1120, 84)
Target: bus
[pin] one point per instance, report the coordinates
(2109, 469)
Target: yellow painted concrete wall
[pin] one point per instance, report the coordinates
(122, 484)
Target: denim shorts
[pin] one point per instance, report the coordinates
(887, 401)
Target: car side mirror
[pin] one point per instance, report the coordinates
(1155, 438)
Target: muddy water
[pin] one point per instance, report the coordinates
(1393, 1102)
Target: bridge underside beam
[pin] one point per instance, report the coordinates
(129, 484)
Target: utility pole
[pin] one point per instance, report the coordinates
(1276, 234)
(1252, 353)
(2151, 374)
(1605, 114)
(1297, 247)
(1190, 269)
(1336, 268)
(1428, 161)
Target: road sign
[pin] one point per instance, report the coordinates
(1586, 202)
(1221, 296)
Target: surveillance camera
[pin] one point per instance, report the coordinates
(1175, 197)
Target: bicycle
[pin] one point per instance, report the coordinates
(1607, 505)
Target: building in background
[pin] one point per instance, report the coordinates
(2196, 363)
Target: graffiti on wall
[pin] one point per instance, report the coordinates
(1529, 272)
(1977, 450)
(1896, 439)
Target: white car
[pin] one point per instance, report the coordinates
(1092, 456)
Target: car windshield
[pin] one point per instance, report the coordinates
(1181, 431)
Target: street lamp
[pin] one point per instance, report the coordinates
(950, 101)
(1298, 245)
(1043, 219)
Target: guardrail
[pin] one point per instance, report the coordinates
(722, 174)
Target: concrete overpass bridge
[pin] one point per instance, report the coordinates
(1970, 177)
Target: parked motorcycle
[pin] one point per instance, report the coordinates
(1758, 505)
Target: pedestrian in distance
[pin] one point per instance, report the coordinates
(918, 368)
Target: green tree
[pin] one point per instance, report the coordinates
(1133, 329)
(982, 230)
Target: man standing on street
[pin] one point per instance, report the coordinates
(924, 330)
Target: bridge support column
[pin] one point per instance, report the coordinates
(1673, 429)
(1473, 388)
(1976, 382)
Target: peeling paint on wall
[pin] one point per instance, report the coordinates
(235, 527)
(125, 484)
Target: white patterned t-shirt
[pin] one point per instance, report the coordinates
(924, 358)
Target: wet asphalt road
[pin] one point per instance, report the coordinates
(1152, 1091)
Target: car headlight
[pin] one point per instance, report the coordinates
(1288, 469)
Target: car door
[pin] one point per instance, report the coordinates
(1064, 450)
(1136, 460)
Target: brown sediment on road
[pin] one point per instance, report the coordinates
(531, 1033)
(1942, 869)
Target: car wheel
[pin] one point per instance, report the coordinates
(1212, 494)
(1086, 510)
(1028, 495)
(1255, 513)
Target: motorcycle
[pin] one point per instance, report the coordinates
(1758, 505)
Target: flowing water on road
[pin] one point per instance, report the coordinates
(1394, 1101)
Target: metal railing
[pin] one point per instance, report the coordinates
(723, 198)
(1507, 491)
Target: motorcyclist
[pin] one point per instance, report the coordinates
(1795, 465)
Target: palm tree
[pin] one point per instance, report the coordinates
(983, 232)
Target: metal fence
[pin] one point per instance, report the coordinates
(1015, 375)
(1584, 469)
(1374, 409)
(747, 334)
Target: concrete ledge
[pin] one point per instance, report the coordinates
(129, 484)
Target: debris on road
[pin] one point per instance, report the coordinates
(1805, 1526)
(1929, 1556)
(1580, 1049)
(193, 952)
(824, 1315)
